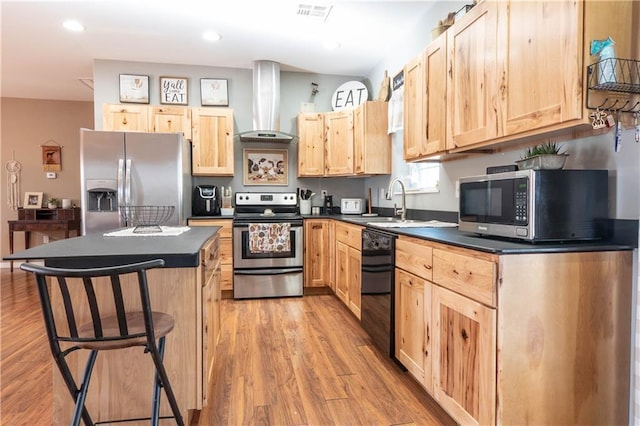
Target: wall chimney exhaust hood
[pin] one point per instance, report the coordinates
(266, 105)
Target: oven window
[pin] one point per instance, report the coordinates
(247, 254)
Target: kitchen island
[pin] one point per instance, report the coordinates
(188, 288)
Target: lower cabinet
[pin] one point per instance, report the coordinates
(316, 252)
(413, 324)
(348, 265)
(226, 247)
(464, 357)
(509, 339)
(211, 318)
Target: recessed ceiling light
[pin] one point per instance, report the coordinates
(73, 25)
(211, 36)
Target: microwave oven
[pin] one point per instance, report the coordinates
(536, 205)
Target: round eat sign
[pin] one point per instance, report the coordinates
(349, 95)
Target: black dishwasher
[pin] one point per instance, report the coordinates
(377, 303)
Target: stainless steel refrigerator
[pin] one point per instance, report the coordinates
(134, 169)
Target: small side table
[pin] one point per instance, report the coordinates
(44, 220)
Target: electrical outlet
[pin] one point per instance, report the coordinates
(323, 192)
(45, 239)
(383, 193)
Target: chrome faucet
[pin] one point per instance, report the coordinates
(403, 210)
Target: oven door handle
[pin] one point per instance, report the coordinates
(282, 271)
(377, 268)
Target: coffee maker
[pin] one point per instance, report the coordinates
(206, 201)
(327, 207)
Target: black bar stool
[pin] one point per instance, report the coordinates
(141, 327)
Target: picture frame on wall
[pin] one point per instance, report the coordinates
(134, 89)
(214, 92)
(32, 200)
(174, 90)
(265, 167)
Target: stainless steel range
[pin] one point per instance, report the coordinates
(267, 245)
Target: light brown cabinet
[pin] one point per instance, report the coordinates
(317, 259)
(212, 142)
(345, 143)
(209, 129)
(476, 47)
(166, 119)
(486, 335)
(339, 143)
(226, 247)
(413, 308)
(464, 356)
(425, 100)
(125, 118)
(371, 142)
(515, 70)
(211, 318)
(348, 265)
(311, 144)
(413, 325)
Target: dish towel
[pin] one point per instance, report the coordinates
(269, 237)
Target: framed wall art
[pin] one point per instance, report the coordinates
(174, 90)
(134, 89)
(214, 92)
(32, 200)
(51, 158)
(265, 167)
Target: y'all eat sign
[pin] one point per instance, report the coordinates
(173, 90)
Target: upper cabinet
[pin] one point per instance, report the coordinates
(311, 144)
(413, 133)
(513, 70)
(212, 142)
(209, 129)
(371, 142)
(549, 92)
(125, 118)
(339, 143)
(425, 97)
(171, 120)
(473, 47)
(345, 143)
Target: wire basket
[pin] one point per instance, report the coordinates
(146, 219)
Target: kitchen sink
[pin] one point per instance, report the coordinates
(391, 222)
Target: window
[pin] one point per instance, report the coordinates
(421, 177)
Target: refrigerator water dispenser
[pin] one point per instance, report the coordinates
(102, 195)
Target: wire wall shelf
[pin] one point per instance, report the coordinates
(620, 78)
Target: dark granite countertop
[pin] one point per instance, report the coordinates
(453, 236)
(97, 250)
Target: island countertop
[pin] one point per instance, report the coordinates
(98, 250)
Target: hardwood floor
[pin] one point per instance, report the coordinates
(280, 362)
(25, 359)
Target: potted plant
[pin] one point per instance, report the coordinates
(53, 203)
(544, 156)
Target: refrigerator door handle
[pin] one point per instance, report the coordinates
(120, 185)
(127, 183)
